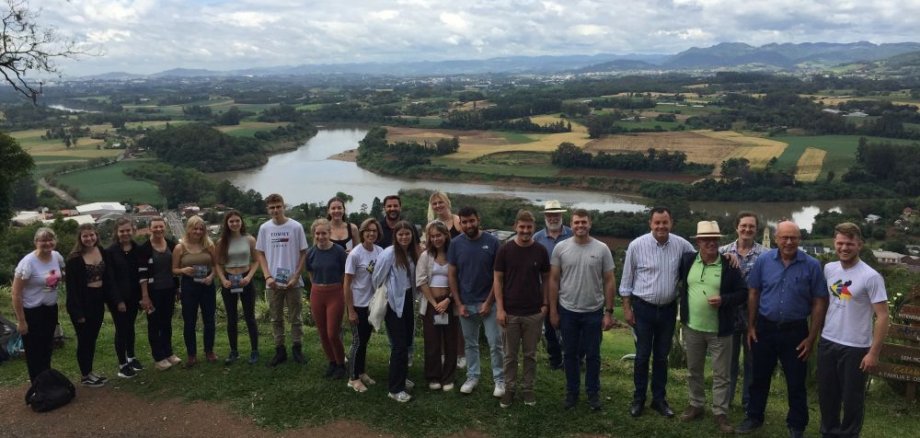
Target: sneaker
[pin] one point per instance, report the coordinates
(91, 381)
(447, 387)
(499, 389)
(507, 398)
(297, 354)
(210, 356)
(253, 357)
(280, 356)
(163, 365)
(434, 386)
(136, 364)
(367, 380)
(231, 358)
(469, 386)
(126, 372)
(748, 425)
(723, 424)
(174, 360)
(357, 385)
(461, 362)
(409, 385)
(530, 399)
(102, 379)
(401, 396)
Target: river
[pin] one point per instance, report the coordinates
(308, 175)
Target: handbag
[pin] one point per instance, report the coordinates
(377, 309)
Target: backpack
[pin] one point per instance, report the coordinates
(10, 340)
(49, 391)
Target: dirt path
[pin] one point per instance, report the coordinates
(112, 412)
(58, 192)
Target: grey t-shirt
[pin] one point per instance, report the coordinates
(581, 286)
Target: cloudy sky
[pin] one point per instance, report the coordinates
(147, 36)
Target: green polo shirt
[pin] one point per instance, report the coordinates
(703, 281)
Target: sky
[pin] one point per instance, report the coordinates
(148, 36)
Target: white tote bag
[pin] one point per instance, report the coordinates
(377, 309)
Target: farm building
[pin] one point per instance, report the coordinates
(98, 209)
(23, 218)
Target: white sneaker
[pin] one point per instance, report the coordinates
(461, 362)
(434, 386)
(448, 387)
(469, 386)
(366, 380)
(499, 389)
(163, 365)
(401, 397)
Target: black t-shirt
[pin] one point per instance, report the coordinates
(522, 267)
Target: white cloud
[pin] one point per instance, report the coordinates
(107, 35)
(248, 19)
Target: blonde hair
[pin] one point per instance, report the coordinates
(194, 222)
(443, 197)
(321, 222)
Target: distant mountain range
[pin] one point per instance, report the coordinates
(770, 57)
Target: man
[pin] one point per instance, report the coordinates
(848, 349)
(650, 305)
(392, 213)
(520, 276)
(282, 249)
(471, 258)
(581, 293)
(786, 286)
(710, 292)
(554, 233)
(747, 251)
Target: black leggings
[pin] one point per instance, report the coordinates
(159, 323)
(248, 297)
(124, 329)
(38, 342)
(88, 330)
(360, 337)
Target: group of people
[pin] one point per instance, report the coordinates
(558, 282)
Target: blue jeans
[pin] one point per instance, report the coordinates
(778, 342)
(470, 326)
(654, 331)
(195, 295)
(581, 336)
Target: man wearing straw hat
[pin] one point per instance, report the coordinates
(556, 231)
(710, 292)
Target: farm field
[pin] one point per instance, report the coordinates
(809, 165)
(841, 151)
(110, 183)
(32, 142)
(248, 129)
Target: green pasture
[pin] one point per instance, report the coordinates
(841, 150)
(249, 128)
(515, 137)
(515, 163)
(110, 183)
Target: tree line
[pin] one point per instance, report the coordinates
(570, 156)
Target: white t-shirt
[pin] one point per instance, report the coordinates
(849, 312)
(360, 264)
(42, 280)
(282, 245)
(581, 286)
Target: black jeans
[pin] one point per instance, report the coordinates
(194, 296)
(841, 384)
(88, 330)
(360, 337)
(124, 329)
(159, 323)
(38, 342)
(654, 333)
(553, 343)
(400, 330)
(248, 298)
(740, 369)
(779, 342)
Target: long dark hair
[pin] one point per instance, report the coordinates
(344, 211)
(225, 234)
(441, 228)
(78, 246)
(407, 255)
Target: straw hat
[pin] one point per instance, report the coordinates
(706, 229)
(553, 206)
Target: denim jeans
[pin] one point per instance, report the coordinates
(740, 369)
(194, 296)
(779, 342)
(470, 326)
(654, 332)
(581, 336)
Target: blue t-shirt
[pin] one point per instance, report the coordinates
(786, 292)
(474, 260)
(548, 242)
(326, 266)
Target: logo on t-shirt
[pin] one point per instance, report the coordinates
(841, 290)
(52, 280)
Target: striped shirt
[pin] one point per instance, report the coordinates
(650, 268)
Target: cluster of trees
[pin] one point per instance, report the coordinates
(477, 120)
(377, 154)
(231, 117)
(890, 165)
(629, 102)
(204, 148)
(569, 155)
(181, 185)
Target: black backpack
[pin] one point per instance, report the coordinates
(49, 391)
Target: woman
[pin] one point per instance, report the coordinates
(88, 289)
(341, 232)
(126, 285)
(35, 292)
(439, 210)
(193, 260)
(326, 265)
(159, 291)
(438, 319)
(236, 265)
(395, 268)
(358, 292)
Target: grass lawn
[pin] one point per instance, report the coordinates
(110, 183)
(291, 395)
(841, 150)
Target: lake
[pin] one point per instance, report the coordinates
(308, 175)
